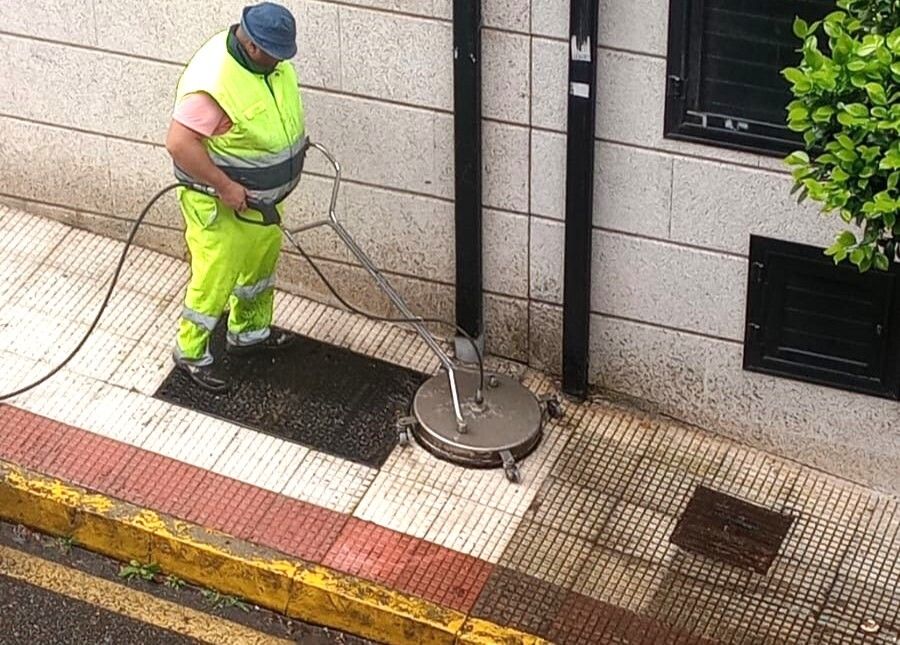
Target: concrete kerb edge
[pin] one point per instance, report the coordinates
(299, 589)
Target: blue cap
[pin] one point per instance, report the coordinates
(272, 28)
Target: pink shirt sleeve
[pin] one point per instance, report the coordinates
(200, 112)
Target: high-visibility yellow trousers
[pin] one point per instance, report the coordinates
(232, 265)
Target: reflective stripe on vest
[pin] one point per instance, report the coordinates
(264, 181)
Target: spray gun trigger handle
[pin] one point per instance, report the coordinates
(268, 211)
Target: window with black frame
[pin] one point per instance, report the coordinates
(725, 57)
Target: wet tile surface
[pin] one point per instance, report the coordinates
(445, 576)
(570, 508)
(302, 530)
(318, 395)
(545, 553)
(408, 564)
(521, 601)
(585, 620)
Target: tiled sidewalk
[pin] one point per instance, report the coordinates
(578, 553)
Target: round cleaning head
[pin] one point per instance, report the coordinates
(501, 429)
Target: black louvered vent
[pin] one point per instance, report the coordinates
(812, 320)
(725, 62)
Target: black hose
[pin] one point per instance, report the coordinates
(109, 293)
(115, 278)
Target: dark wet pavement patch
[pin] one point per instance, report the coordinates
(318, 395)
(731, 530)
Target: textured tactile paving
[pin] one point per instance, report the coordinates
(302, 530)
(318, 395)
(521, 601)
(109, 461)
(585, 620)
(158, 482)
(230, 506)
(444, 576)
(404, 563)
(548, 554)
(370, 551)
(25, 438)
(570, 508)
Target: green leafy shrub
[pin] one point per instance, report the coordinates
(847, 107)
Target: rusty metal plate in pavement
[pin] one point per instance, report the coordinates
(731, 530)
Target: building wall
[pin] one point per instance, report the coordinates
(672, 226)
(90, 96)
(85, 107)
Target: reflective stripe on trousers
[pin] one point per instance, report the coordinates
(180, 357)
(251, 291)
(207, 322)
(245, 338)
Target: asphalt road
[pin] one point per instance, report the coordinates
(30, 614)
(54, 593)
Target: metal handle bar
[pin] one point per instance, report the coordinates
(392, 294)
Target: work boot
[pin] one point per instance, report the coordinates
(277, 340)
(202, 376)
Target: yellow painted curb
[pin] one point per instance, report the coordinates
(260, 575)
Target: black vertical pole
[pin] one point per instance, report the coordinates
(467, 135)
(579, 195)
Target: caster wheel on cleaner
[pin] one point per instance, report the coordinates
(554, 408)
(512, 474)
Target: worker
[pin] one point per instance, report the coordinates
(237, 132)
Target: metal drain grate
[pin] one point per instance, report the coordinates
(731, 530)
(324, 397)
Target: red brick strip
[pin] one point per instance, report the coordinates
(294, 527)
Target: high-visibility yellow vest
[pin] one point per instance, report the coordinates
(265, 147)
